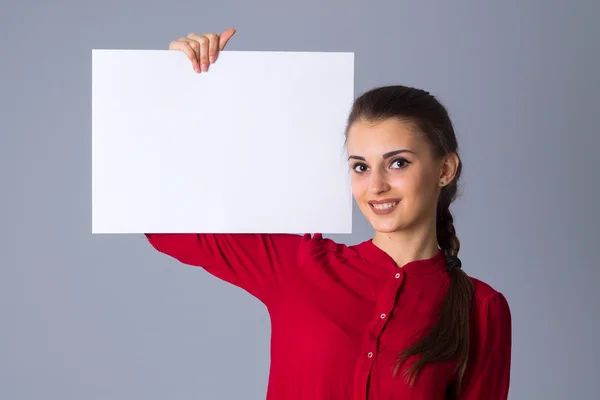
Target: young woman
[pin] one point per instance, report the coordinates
(394, 317)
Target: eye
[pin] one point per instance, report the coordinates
(399, 163)
(359, 168)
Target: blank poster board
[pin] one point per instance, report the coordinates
(254, 145)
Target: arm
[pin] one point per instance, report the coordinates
(488, 370)
(256, 263)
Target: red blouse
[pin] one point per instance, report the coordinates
(341, 314)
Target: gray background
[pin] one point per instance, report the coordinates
(106, 317)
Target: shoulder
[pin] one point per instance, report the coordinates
(489, 303)
(316, 250)
(315, 246)
(482, 290)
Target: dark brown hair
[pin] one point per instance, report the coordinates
(448, 340)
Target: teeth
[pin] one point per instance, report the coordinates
(384, 206)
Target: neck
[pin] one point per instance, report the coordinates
(408, 245)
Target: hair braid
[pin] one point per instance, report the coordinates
(457, 303)
(446, 234)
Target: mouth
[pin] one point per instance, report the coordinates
(384, 206)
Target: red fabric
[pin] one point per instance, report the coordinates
(341, 314)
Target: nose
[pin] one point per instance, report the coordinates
(378, 183)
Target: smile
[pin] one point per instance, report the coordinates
(386, 207)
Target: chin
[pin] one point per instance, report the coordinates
(382, 227)
(381, 223)
(385, 224)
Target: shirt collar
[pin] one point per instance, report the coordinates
(369, 251)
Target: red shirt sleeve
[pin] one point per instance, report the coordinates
(256, 263)
(488, 371)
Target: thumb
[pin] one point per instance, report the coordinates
(224, 38)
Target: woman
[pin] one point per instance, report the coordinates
(393, 317)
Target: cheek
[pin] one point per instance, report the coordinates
(413, 189)
(359, 185)
(409, 181)
(403, 184)
(419, 194)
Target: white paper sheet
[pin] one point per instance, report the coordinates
(254, 145)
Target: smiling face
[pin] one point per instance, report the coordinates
(395, 178)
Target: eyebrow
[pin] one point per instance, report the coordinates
(386, 155)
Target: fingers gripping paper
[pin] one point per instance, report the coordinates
(254, 145)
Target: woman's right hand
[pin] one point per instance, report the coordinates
(202, 50)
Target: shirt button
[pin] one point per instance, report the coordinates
(382, 316)
(397, 275)
(370, 354)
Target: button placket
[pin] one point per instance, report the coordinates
(384, 315)
(385, 305)
(388, 303)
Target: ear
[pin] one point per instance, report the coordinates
(448, 168)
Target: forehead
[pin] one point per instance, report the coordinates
(366, 138)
